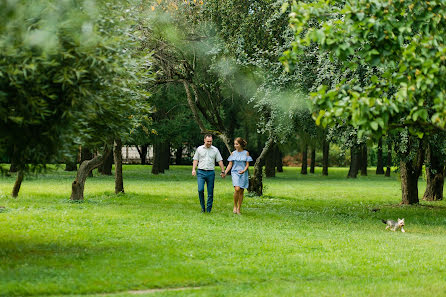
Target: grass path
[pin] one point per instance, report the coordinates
(308, 235)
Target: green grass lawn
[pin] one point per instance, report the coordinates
(307, 236)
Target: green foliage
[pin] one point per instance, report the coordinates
(308, 235)
(394, 36)
(68, 74)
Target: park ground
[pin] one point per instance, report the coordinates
(307, 236)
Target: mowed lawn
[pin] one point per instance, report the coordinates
(307, 236)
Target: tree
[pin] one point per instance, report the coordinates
(406, 93)
(435, 167)
(380, 163)
(61, 69)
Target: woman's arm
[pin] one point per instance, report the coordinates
(228, 167)
(246, 167)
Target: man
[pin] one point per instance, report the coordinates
(205, 157)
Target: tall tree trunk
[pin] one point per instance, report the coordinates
(255, 181)
(17, 184)
(86, 155)
(165, 161)
(179, 155)
(389, 159)
(380, 164)
(434, 176)
(355, 155)
(409, 183)
(279, 156)
(313, 159)
(304, 159)
(157, 159)
(78, 185)
(13, 168)
(143, 153)
(410, 172)
(325, 152)
(117, 152)
(107, 165)
(270, 162)
(364, 162)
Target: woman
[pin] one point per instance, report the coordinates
(239, 164)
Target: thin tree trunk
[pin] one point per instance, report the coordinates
(255, 181)
(410, 172)
(157, 159)
(380, 164)
(165, 155)
(313, 160)
(117, 152)
(279, 162)
(325, 152)
(270, 163)
(355, 155)
(17, 184)
(85, 156)
(78, 185)
(12, 167)
(143, 153)
(434, 176)
(364, 160)
(304, 159)
(107, 165)
(409, 183)
(389, 159)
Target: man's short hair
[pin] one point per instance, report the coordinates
(208, 135)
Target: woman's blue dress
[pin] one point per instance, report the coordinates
(239, 160)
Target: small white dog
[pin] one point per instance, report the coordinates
(392, 225)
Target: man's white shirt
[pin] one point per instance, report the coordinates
(207, 157)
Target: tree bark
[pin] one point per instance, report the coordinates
(255, 181)
(313, 160)
(410, 172)
(325, 152)
(119, 181)
(434, 176)
(17, 184)
(107, 165)
(165, 161)
(143, 153)
(355, 154)
(279, 163)
(380, 164)
(157, 159)
(364, 162)
(389, 160)
(270, 163)
(86, 155)
(12, 167)
(304, 159)
(78, 185)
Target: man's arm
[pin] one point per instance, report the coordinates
(222, 166)
(194, 165)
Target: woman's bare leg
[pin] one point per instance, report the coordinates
(236, 195)
(240, 200)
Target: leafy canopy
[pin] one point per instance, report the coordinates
(405, 43)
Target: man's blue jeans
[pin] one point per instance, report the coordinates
(207, 176)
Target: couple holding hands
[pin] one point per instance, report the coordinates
(205, 158)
